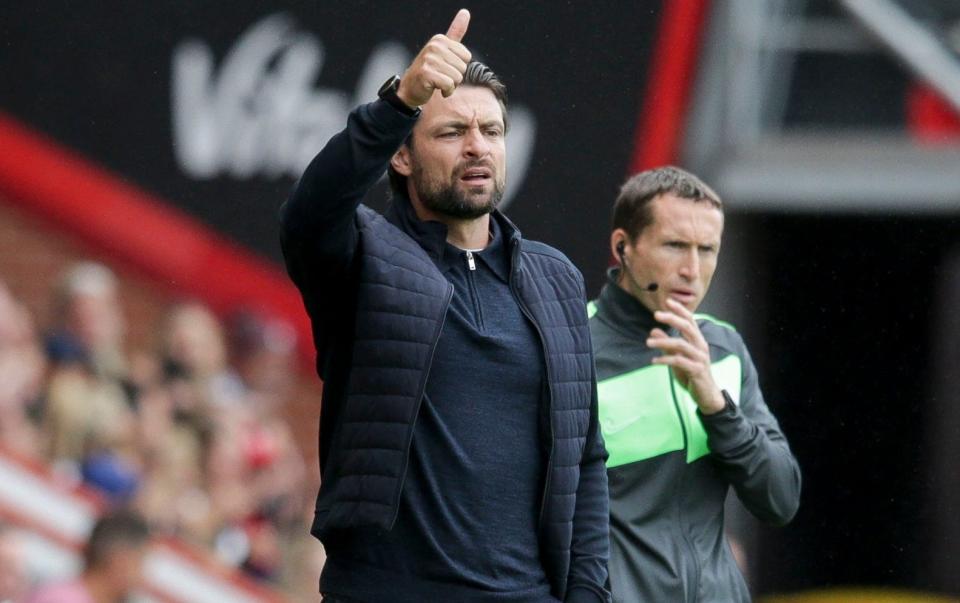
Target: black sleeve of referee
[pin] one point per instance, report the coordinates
(752, 453)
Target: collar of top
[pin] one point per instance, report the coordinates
(432, 237)
(624, 311)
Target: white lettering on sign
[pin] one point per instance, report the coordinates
(260, 114)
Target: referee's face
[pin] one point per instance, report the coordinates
(678, 251)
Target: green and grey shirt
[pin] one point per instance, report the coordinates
(670, 467)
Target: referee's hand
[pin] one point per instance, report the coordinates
(687, 355)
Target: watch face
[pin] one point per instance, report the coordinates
(392, 83)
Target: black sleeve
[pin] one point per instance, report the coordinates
(318, 232)
(753, 454)
(317, 221)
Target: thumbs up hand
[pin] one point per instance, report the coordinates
(440, 65)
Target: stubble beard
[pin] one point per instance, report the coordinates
(447, 199)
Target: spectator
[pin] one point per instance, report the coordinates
(88, 388)
(262, 348)
(173, 494)
(191, 438)
(194, 350)
(113, 559)
(91, 326)
(262, 351)
(22, 369)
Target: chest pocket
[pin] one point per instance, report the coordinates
(728, 374)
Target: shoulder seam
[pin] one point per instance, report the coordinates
(715, 320)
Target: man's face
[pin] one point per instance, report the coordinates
(97, 319)
(678, 251)
(125, 567)
(456, 167)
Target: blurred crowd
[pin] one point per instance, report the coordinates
(187, 432)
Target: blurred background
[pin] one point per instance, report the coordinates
(153, 354)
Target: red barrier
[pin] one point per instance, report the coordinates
(141, 231)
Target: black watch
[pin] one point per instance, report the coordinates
(388, 92)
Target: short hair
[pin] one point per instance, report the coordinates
(117, 529)
(477, 75)
(631, 210)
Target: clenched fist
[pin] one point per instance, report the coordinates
(440, 65)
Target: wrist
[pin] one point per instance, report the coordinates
(391, 93)
(403, 97)
(714, 404)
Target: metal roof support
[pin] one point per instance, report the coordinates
(923, 53)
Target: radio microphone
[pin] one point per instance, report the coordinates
(623, 263)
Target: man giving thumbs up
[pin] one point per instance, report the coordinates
(459, 448)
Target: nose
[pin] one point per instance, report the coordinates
(690, 266)
(475, 143)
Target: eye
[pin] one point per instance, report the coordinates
(494, 132)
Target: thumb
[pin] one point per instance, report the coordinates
(458, 27)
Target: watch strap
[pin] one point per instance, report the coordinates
(388, 92)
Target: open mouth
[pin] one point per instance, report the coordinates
(684, 296)
(477, 176)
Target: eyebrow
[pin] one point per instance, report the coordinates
(675, 239)
(463, 124)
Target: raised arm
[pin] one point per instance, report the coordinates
(318, 234)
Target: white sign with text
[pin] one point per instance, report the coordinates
(259, 113)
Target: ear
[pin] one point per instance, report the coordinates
(618, 238)
(401, 161)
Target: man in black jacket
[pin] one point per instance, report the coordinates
(680, 402)
(459, 444)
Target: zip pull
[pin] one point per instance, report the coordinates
(470, 263)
